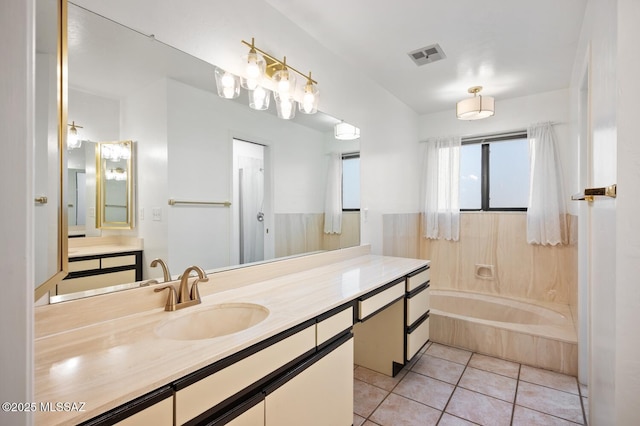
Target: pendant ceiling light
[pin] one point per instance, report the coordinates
(228, 84)
(346, 132)
(477, 107)
(73, 139)
(254, 68)
(309, 104)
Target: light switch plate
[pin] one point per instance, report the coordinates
(157, 214)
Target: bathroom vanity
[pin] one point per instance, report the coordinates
(293, 366)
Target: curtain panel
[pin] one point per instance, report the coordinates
(333, 196)
(440, 199)
(547, 209)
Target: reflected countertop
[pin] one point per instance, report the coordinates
(109, 363)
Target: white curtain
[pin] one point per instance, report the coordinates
(547, 211)
(333, 196)
(441, 188)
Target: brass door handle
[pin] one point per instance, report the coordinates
(41, 200)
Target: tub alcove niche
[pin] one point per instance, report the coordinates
(525, 312)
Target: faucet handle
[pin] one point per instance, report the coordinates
(195, 294)
(171, 300)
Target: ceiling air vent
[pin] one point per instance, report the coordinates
(426, 55)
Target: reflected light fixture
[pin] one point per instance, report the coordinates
(228, 84)
(285, 106)
(259, 98)
(477, 107)
(73, 140)
(346, 132)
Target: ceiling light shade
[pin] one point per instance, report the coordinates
(73, 139)
(475, 108)
(285, 81)
(310, 97)
(285, 106)
(346, 132)
(228, 84)
(259, 98)
(254, 68)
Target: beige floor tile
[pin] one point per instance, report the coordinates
(525, 417)
(438, 368)
(456, 355)
(478, 408)
(357, 420)
(487, 383)
(549, 379)
(495, 365)
(370, 423)
(584, 390)
(366, 398)
(550, 401)
(378, 379)
(396, 410)
(426, 390)
(449, 420)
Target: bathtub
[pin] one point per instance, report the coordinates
(541, 334)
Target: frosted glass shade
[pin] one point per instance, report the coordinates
(309, 103)
(285, 83)
(475, 108)
(286, 107)
(73, 140)
(254, 70)
(346, 132)
(259, 98)
(228, 84)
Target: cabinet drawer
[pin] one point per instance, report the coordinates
(84, 265)
(252, 417)
(417, 305)
(415, 281)
(334, 325)
(370, 305)
(112, 262)
(416, 338)
(210, 391)
(160, 414)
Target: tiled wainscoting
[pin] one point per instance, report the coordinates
(450, 386)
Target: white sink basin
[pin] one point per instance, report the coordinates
(215, 321)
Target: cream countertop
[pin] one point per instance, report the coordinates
(94, 246)
(109, 363)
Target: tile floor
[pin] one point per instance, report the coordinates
(450, 386)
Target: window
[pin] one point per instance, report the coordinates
(351, 182)
(494, 173)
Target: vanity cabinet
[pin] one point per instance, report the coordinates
(103, 270)
(417, 311)
(154, 408)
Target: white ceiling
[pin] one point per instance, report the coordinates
(512, 48)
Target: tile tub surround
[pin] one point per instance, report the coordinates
(485, 391)
(540, 334)
(107, 363)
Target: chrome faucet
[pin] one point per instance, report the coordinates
(184, 298)
(165, 268)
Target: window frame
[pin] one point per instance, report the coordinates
(347, 156)
(485, 167)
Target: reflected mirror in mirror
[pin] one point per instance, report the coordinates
(127, 86)
(115, 185)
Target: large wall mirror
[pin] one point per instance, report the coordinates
(50, 132)
(214, 183)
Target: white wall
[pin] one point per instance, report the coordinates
(516, 114)
(17, 70)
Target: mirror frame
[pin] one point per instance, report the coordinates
(101, 188)
(62, 80)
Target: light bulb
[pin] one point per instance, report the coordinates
(283, 87)
(253, 69)
(227, 81)
(307, 102)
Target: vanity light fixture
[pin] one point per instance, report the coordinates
(115, 152)
(73, 140)
(118, 174)
(475, 108)
(228, 84)
(260, 66)
(346, 132)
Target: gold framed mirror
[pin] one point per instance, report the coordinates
(50, 145)
(114, 185)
